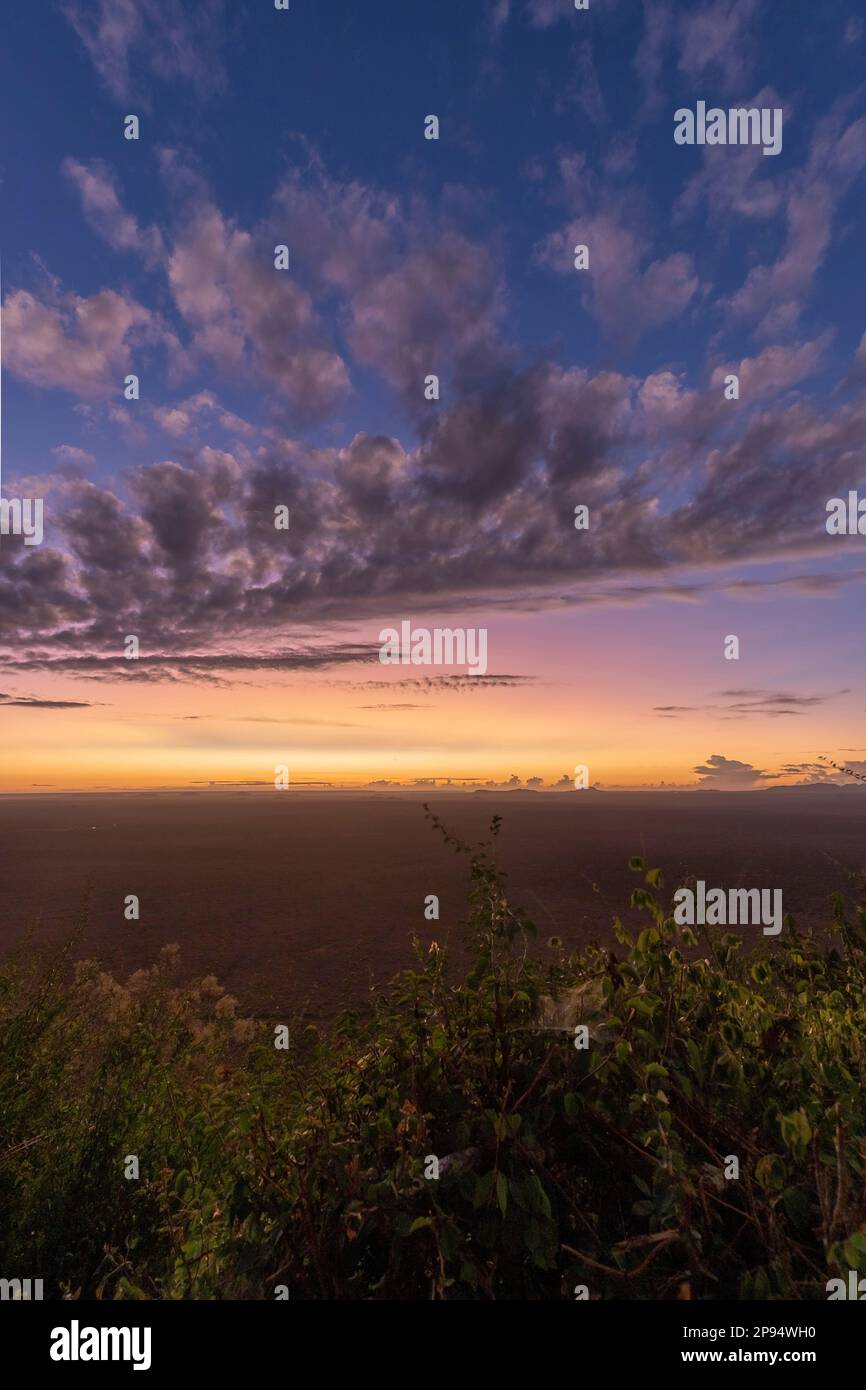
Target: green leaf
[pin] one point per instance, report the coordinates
(502, 1192)
(796, 1130)
(798, 1208)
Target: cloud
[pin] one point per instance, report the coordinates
(487, 499)
(31, 702)
(586, 89)
(390, 707)
(543, 13)
(72, 460)
(243, 313)
(845, 770)
(434, 311)
(419, 295)
(182, 420)
(812, 775)
(736, 181)
(498, 13)
(485, 484)
(80, 345)
(457, 683)
(742, 703)
(856, 375)
(650, 56)
(812, 445)
(764, 698)
(625, 288)
(179, 506)
(729, 774)
(190, 666)
(773, 295)
(715, 42)
(775, 368)
(165, 39)
(102, 209)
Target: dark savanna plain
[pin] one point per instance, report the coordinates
(304, 900)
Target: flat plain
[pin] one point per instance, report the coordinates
(304, 899)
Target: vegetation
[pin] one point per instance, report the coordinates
(560, 1166)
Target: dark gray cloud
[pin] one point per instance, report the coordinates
(768, 699)
(390, 707)
(190, 666)
(459, 683)
(479, 515)
(32, 702)
(739, 704)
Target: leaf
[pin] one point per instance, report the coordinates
(502, 1192)
(126, 1289)
(798, 1208)
(854, 1251)
(796, 1130)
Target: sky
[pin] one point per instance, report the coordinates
(307, 388)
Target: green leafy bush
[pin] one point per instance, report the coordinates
(559, 1166)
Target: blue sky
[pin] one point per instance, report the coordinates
(407, 255)
(513, 97)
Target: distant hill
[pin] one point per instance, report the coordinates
(817, 787)
(528, 791)
(506, 791)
